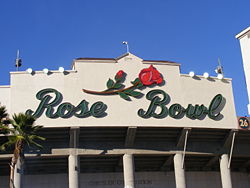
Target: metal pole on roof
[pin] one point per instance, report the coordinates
(219, 69)
(18, 61)
(126, 43)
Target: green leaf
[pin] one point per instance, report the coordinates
(135, 81)
(124, 96)
(117, 78)
(133, 93)
(128, 91)
(117, 86)
(110, 83)
(136, 93)
(139, 85)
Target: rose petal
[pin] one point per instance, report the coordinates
(150, 75)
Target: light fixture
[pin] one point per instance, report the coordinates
(46, 71)
(219, 70)
(206, 75)
(61, 69)
(191, 74)
(29, 70)
(220, 76)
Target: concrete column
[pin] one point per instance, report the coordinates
(128, 171)
(74, 137)
(179, 171)
(74, 170)
(18, 174)
(74, 160)
(225, 172)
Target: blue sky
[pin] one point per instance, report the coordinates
(51, 33)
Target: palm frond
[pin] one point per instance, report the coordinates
(32, 137)
(3, 113)
(6, 129)
(23, 122)
(32, 142)
(23, 130)
(11, 141)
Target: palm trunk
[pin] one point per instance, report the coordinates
(18, 173)
(17, 154)
(12, 169)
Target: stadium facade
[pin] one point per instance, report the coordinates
(128, 122)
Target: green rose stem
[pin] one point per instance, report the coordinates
(109, 92)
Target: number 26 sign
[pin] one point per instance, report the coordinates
(243, 122)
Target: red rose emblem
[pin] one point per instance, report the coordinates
(150, 76)
(147, 77)
(119, 74)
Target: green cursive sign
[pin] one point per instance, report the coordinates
(65, 110)
(159, 99)
(157, 108)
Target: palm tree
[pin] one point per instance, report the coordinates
(3, 116)
(21, 134)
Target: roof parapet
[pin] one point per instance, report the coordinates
(115, 60)
(243, 33)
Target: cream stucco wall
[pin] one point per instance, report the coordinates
(244, 38)
(93, 75)
(5, 96)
